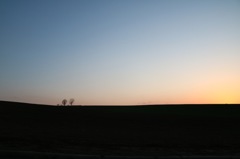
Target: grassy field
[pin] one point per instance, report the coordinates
(144, 130)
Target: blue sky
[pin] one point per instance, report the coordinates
(120, 52)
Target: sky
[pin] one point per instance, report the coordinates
(120, 52)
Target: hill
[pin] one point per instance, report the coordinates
(156, 129)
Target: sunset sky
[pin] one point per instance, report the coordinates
(120, 52)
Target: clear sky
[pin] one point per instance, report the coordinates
(120, 51)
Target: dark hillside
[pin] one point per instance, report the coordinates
(106, 129)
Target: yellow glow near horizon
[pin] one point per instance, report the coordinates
(222, 91)
(225, 95)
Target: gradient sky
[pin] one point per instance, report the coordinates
(120, 51)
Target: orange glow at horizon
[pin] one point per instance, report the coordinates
(210, 90)
(225, 91)
(225, 95)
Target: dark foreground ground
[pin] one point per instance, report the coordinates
(144, 130)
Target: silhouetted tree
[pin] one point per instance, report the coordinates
(64, 102)
(71, 101)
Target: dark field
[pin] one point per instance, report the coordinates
(143, 130)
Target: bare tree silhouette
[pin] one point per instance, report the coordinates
(71, 101)
(64, 102)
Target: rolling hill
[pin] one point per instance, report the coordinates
(153, 129)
